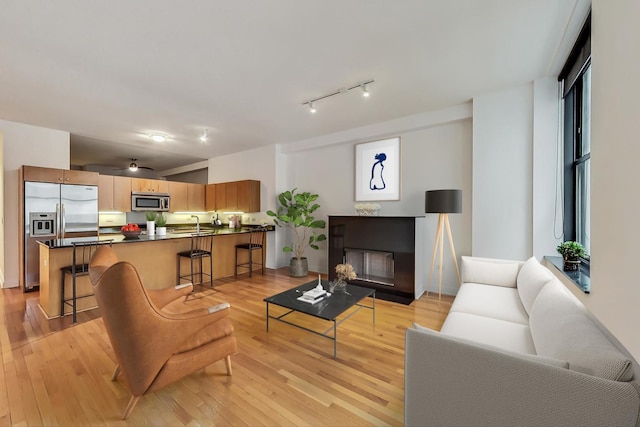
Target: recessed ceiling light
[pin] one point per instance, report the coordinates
(204, 137)
(157, 137)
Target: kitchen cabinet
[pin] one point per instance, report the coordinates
(186, 197)
(59, 176)
(105, 193)
(210, 197)
(195, 197)
(248, 196)
(114, 193)
(232, 197)
(179, 197)
(221, 197)
(149, 185)
(237, 196)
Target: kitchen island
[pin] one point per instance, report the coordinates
(155, 258)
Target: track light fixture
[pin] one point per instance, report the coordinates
(204, 137)
(364, 86)
(365, 90)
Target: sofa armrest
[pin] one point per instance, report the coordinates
(489, 271)
(449, 381)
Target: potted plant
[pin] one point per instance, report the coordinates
(151, 222)
(161, 225)
(571, 253)
(295, 212)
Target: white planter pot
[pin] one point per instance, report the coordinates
(151, 228)
(161, 231)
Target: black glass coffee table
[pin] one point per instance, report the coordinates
(329, 308)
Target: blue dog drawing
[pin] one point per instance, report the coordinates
(377, 180)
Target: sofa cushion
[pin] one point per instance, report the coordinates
(497, 302)
(498, 333)
(562, 329)
(531, 278)
(533, 357)
(490, 271)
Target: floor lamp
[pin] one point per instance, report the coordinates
(442, 202)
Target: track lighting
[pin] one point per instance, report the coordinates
(365, 90)
(362, 86)
(204, 137)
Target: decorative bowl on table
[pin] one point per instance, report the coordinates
(130, 234)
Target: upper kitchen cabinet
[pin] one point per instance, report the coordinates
(179, 197)
(186, 197)
(236, 196)
(195, 197)
(145, 185)
(210, 197)
(248, 195)
(114, 193)
(59, 176)
(221, 196)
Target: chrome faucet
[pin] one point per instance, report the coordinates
(197, 223)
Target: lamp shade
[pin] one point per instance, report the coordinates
(443, 201)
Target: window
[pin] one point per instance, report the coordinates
(576, 79)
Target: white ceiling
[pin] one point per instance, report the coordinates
(110, 72)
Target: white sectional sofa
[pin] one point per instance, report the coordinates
(517, 348)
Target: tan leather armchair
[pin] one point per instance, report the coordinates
(154, 348)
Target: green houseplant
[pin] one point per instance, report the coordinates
(151, 222)
(295, 212)
(161, 224)
(571, 253)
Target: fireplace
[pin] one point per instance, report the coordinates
(371, 266)
(383, 252)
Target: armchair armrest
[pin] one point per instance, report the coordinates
(163, 297)
(450, 381)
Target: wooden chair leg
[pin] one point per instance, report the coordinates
(130, 406)
(227, 361)
(115, 373)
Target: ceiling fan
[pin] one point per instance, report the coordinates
(133, 166)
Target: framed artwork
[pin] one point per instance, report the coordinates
(378, 170)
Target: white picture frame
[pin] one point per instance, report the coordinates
(377, 170)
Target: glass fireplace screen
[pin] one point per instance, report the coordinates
(371, 266)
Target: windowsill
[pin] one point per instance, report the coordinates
(579, 278)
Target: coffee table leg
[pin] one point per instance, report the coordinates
(335, 339)
(267, 317)
(374, 307)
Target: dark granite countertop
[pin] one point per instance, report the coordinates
(116, 237)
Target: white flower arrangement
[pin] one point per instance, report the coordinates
(367, 209)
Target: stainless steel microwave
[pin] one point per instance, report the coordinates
(149, 202)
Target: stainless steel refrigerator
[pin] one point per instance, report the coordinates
(55, 211)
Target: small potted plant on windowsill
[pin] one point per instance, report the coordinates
(571, 253)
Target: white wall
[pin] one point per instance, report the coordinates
(436, 155)
(615, 288)
(258, 164)
(503, 174)
(547, 168)
(25, 145)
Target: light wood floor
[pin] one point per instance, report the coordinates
(55, 373)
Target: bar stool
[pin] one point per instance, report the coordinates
(82, 253)
(256, 242)
(201, 247)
